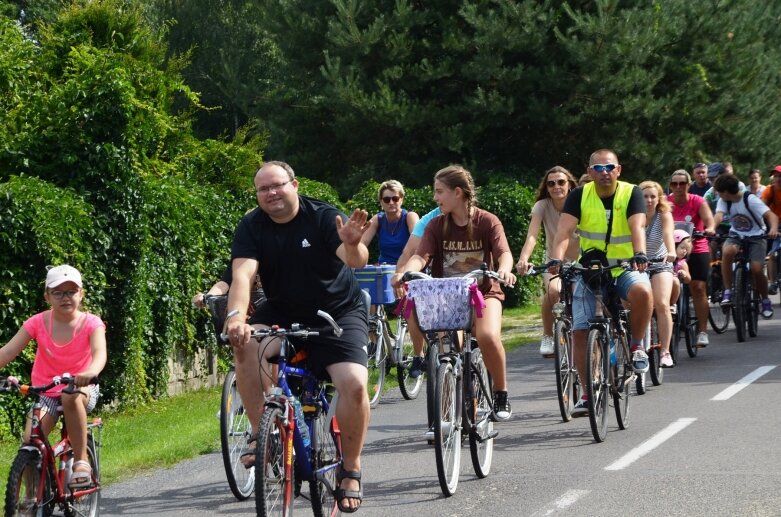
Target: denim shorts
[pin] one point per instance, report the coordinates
(583, 301)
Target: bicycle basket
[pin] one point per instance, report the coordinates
(442, 303)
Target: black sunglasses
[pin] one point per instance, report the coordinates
(388, 199)
(552, 183)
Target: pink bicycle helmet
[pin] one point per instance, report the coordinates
(680, 235)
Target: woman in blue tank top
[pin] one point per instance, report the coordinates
(392, 225)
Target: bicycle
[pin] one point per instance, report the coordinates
(610, 373)
(235, 428)
(567, 381)
(463, 389)
(36, 485)
(718, 316)
(289, 451)
(684, 320)
(387, 350)
(745, 298)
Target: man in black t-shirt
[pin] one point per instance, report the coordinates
(304, 250)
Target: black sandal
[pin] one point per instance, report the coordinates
(250, 452)
(341, 494)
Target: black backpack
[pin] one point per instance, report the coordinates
(746, 194)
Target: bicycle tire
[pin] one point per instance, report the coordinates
(326, 454)
(564, 369)
(376, 362)
(447, 428)
(87, 505)
(481, 443)
(432, 362)
(655, 369)
(597, 384)
(274, 480)
(621, 387)
(679, 322)
(24, 481)
(690, 330)
(739, 301)
(717, 316)
(409, 387)
(235, 429)
(753, 308)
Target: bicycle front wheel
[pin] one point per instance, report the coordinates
(740, 301)
(235, 429)
(273, 474)
(717, 315)
(447, 428)
(565, 369)
(597, 383)
(86, 502)
(408, 386)
(326, 458)
(752, 308)
(679, 324)
(481, 442)
(24, 483)
(432, 362)
(376, 364)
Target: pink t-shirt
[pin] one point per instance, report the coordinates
(690, 213)
(52, 359)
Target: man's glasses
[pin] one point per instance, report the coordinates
(675, 184)
(388, 199)
(59, 295)
(603, 167)
(275, 188)
(552, 183)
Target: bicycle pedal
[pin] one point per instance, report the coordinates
(490, 436)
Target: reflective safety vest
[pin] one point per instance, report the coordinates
(593, 224)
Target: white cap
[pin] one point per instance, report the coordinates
(61, 274)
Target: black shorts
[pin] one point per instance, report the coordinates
(323, 351)
(699, 266)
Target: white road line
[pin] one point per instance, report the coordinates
(651, 444)
(567, 499)
(742, 383)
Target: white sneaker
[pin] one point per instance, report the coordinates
(702, 339)
(546, 346)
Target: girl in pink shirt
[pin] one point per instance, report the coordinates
(69, 341)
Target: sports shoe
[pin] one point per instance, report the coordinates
(772, 288)
(417, 367)
(580, 409)
(666, 360)
(639, 359)
(726, 299)
(502, 409)
(673, 309)
(767, 309)
(702, 340)
(546, 346)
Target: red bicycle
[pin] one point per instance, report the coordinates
(35, 484)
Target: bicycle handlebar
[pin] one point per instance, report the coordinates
(295, 330)
(477, 273)
(11, 383)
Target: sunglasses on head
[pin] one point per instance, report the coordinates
(388, 199)
(678, 183)
(603, 167)
(553, 183)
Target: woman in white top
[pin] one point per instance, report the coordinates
(755, 182)
(556, 185)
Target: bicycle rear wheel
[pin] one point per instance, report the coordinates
(565, 369)
(86, 502)
(655, 354)
(326, 458)
(739, 299)
(752, 308)
(597, 383)
(481, 441)
(408, 386)
(718, 316)
(235, 429)
(622, 381)
(447, 428)
(377, 358)
(679, 325)
(274, 481)
(24, 482)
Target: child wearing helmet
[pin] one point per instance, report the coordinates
(683, 246)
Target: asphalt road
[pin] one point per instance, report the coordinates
(684, 453)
